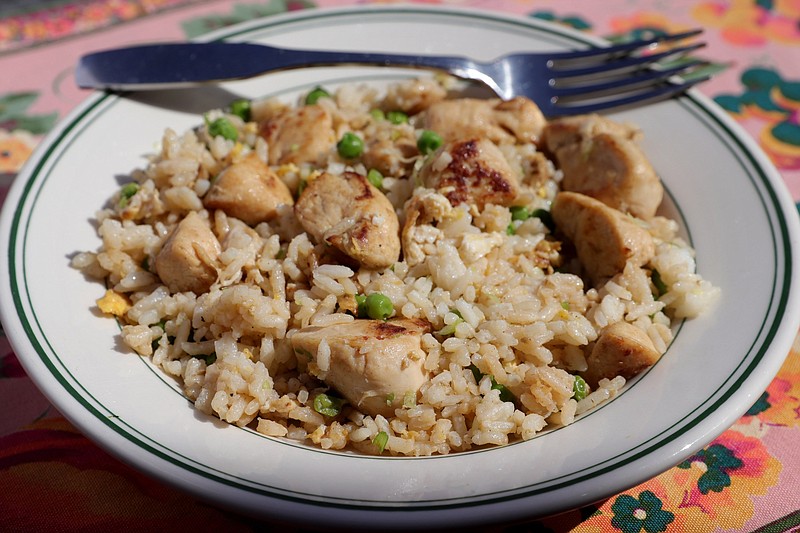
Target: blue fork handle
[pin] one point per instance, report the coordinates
(173, 65)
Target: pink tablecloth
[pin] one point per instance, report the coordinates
(54, 479)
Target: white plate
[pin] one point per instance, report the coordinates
(732, 202)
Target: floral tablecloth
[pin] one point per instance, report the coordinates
(55, 479)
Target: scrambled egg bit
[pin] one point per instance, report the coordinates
(114, 303)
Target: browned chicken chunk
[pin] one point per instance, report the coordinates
(471, 171)
(187, 261)
(605, 239)
(599, 158)
(248, 190)
(301, 135)
(621, 350)
(509, 121)
(422, 211)
(372, 363)
(349, 213)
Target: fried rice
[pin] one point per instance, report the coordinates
(509, 316)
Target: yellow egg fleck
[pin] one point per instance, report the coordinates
(114, 303)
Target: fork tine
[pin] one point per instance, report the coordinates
(625, 47)
(623, 64)
(649, 96)
(627, 82)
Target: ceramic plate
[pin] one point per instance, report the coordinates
(730, 200)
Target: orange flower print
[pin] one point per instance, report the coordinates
(780, 403)
(696, 495)
(15, 148)
(775, 100)
(642, 23)
(750, 22)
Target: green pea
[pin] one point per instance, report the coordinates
(519, 212)
(375, 177)
(377, 114)
(378, 306)
(579, 388)
(361, 305)
(314, 96)
(223, 127)
(350, 146)
(328, 405)
(396, 117)
(428, 142)
(241, 108)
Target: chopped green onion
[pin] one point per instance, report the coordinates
(511, 229)
(396, 117)
(449, 329)
(127, 192)
(519, 212)
(301, 187)
(476, 373)
(241, 108)
(381, 440)
(546, 218)
(210, 359)
(428, 142)
(389, 398)
(565, 305)
(409, 399)
(505, 394)
(305, 353)
(222, 127)
(377, 114)
(579, 388)
(375, 177)
(328, 405)
(314, 96)
(350, 146)
(378, 306)
(661, 287)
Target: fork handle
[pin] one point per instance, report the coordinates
(171, 65)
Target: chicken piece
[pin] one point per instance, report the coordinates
(391, 157)
(570, 130)
(187, 260)
(423, 210)
(601, 159)
(472, 171)
(299, 135)
(372, 363)
(500, 121)
(622, 349)
(605, 239)
(248, 190)
(349, 213)
(413, 96)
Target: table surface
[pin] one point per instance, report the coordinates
(746, 480)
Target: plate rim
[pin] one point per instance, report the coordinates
(775, 186)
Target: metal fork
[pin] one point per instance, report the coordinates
(561, 83)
